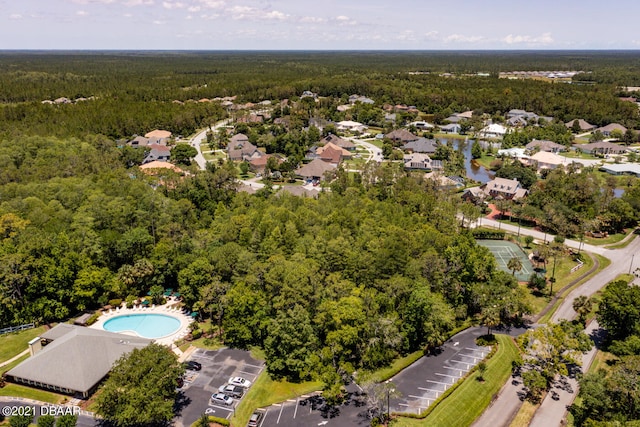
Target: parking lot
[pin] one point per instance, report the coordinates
(423, 382)
(311, 410)
(217, 367)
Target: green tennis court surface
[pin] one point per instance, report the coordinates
(503, 251)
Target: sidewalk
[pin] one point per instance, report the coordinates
(6, 362)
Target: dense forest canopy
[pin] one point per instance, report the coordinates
(375, 268)
(131, 92)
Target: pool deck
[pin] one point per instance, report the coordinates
(167, 310)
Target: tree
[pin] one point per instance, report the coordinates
(528, 240)
(289, 345)
(67, 420)
(46, 421)
(575, 126)
(183, 153)
(514, 265)
(619, 310)
(582, 305)
(476, 150)
(550, 348)
(20, 420)
(244, 168)
(141, 388)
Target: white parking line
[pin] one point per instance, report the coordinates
(420, 397)
(296, 410)
(432, 390)
(436, 382)
(280, 414)
(226, 408)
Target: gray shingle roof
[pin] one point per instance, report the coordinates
(78, 358)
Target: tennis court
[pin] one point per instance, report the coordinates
(503, 251)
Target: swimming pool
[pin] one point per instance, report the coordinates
(145, 325)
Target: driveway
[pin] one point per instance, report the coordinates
(217, 367)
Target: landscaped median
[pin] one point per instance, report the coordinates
(464, 402)
(265, 392)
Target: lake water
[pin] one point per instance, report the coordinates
(474, 171)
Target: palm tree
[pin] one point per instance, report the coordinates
(514, 265)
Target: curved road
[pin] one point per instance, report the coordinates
(552, 412)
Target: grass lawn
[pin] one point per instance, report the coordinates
(604, 263)
(265, 392)
(397, 366)
(609, 240)
(623, 244)
(13, 364)
(13, 344)
(472, 397)
(31, 393)
(525, 414)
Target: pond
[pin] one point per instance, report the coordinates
(474, 171)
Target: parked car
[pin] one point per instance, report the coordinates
(232, 390)
(222, 399)
(192, 365)
(240, 382)
(180, 382)
(255, 419)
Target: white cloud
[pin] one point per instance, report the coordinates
(137, 2)
(345, 20)
(82, 13)
(173, 5)
(277, 15)
(312, 20)
(253, 14)
(209, 4)
(459, 38)
(157, 22)
(539, 40)
(15, 16)
(407, 35)
(432, 36)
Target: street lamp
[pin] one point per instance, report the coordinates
(390, 389)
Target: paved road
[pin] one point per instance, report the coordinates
(198, 139)
(375, 153)
(501, 412)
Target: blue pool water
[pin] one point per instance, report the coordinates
(145, 325)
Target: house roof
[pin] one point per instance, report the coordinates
(548, 158)
(602, 145)
(495, 128)
(78, 358)
(544, 145)
(316, 168)
(421, 145)
(340, 142)
(503, 185)
(161, 165)
(158, 134)
(332, 146)
(633, 168)
(333, 155)
(401, 135)
(611, 127)
(584, 125)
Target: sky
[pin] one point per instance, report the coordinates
(318, 24)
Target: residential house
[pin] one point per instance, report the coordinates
(151, 168)
(421, 125)
(320, 123)
(332, 153)
(157, 152)
(421, 145)
(544, 145)
(157, 133)
(475, 195)
(421, 162)
(401, 136)
(546, 160)
(315, 170)
(258, 164)
(340, 142)
(73, 359)
(309, 94)
(239, 148)
(348, 125)
(622, 169)
(493, 130)
(514, 152)
(601, 147)
(363, 99)
(608, 129)
(584, 126)
(458, 117)
(509, 189)
(443, 182)
(451, 128)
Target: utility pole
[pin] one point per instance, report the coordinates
(631, 264)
